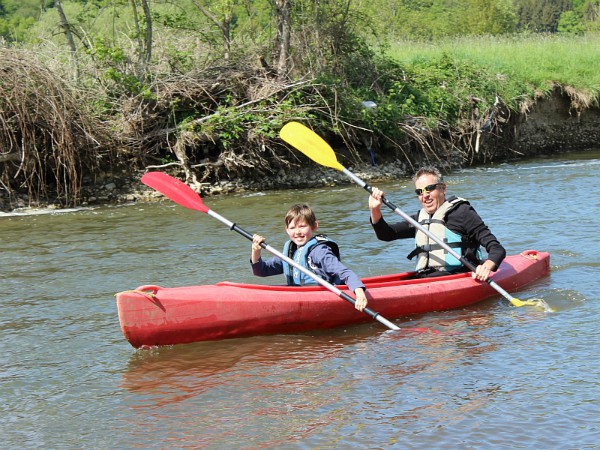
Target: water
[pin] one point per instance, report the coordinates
(494, 377)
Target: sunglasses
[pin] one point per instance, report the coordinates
(428, 188)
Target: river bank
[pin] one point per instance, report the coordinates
(551, 125)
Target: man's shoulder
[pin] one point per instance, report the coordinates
(454, 200)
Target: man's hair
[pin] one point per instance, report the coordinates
(429, 170)
(303, 212)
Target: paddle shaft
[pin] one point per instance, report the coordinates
(313, 146)
(184, 195)
(420, 227)
(321, 281)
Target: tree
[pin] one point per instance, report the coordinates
(490, 17)
(571, 22)
(589, 9)
(221, 18)
(66, 27)
(440, 18)
(16, 16)
(541, 15)
(144, 43)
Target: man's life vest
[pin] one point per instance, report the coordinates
(301, 256)
(433, 256)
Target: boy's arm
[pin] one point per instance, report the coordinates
(273, 266)
(330, 266)
(257, 239)
(260, 268)
(327, 263)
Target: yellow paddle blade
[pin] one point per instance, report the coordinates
(535, 302)
(310, 143)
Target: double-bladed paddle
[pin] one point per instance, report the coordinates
(312, 145)
(184, 195)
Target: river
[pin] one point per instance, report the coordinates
(495, 376)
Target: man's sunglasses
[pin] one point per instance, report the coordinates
(428, 188)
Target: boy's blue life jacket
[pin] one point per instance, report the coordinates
(301, 256)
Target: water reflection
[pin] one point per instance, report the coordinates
(166, 366)
(192, 369)
(280, 389)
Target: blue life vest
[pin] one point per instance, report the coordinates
(301, 256)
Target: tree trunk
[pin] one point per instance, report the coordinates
(148, 16)
(138, 37)
(144, 44)
(284, 27)
(64, 24)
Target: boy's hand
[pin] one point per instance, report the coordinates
(361, 299)
(257, 239)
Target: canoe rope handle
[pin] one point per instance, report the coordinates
(530, 254)
(148, 295)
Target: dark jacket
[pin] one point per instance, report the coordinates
(463, 220)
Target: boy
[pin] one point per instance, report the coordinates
(316, 253)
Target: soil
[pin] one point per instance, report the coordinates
(554, 124)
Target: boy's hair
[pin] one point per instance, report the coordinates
(303, 212)
(429, 170)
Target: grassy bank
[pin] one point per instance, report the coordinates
(541, 61)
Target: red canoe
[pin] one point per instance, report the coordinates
(153, 316)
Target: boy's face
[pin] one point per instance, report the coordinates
(300, 231)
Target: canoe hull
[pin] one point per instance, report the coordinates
(155, 316)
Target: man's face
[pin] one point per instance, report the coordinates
(432, 194)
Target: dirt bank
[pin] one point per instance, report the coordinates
(554, 124)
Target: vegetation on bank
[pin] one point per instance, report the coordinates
(536, 62)
(203, 90)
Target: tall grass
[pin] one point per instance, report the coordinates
(539, 60)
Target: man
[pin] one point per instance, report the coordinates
(452, 220)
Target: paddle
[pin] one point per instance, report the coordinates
(313, 146)
(184, 195)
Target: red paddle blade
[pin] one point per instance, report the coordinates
(175, 190)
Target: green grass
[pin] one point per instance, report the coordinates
(540, 61)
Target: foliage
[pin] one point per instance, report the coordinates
(16, 17)
(541, 16)
(16, 27)
(441, 88)
(244, 20)
(570, 22)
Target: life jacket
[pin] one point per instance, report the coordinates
(301, 256)
(431, 255)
